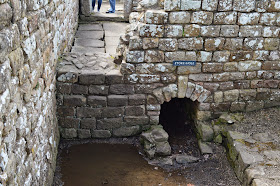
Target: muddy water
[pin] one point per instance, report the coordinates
(112, 164)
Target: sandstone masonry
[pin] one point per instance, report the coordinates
(32, 36)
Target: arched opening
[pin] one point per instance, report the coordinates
(177, 118)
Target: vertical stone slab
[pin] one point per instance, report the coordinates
(127, 7)
(182, 86)
(85, 7)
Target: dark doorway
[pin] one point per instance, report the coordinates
(176, 117)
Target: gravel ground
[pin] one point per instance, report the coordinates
(264, 121)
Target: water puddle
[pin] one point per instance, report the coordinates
(111, 164)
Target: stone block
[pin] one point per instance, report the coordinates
(112, 112)
(121, 89)
(271, 43)
(260, 55)
(250, 31)
(212, 67)
(156, 17)
(136, 99)
(190, 89)
(74, 100)
(226, 85)
(79, 89)
(237, 107)
(6, 14)
(101, 134)
(231, 95)
(113, 79)
(155, 107)
(185, 70)
(271, 65)
(221, 76)
(214, 44)
(154, 120)
(109, 123)
(171, 5)
(146, 88)
(135, 43)
(63, 88)
(127, 68)
(233, 44)
(271, 31)
(268, 18)
(237, 76)
(241, 55)
(92, 79)
(203, 115)
(203, 56)
(173, 31)
(135, 56)
(190, 56)
(168, 44)
(127, 131)
(210, 31)
(247, 94)
(230, 67)
(190, 4)
(65, 111)
(209, 5)
(201, 17)
(88, 123)
(219, 97)
(192, 30)
(248, 18)
(168, 78)
(182, 86)
(69, 133)
(164, 68)
(229, 30)
(86, 112)
(253, 43)
(117, 100)
(191, 43)
(69, 122)
(254, 105)
(225, 18)
(241, 84)
(153, 56)
(274, 55)
(97, 101)
(150, 43)
(98, 89)
(136, 120)
(146, 78)
(151, 30)
(225, 5)
(211, 86)
(249, 65)
(179, 17)
(171, 56)
(84, 133)
(221, 56)
(244, 5)
(201, 77)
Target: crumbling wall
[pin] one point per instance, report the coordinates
(32, 36)
(235, 44)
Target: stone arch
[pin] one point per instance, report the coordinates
(183, 89)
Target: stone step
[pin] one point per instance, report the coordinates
(86, 19)
(95, 43)
(81, 49)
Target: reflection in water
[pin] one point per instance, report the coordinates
(119, 164)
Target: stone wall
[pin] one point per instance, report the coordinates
(234, 42)
(32, 36)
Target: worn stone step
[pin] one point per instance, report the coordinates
(101, 18)
(80, 49)
(95, 43)
(92, 27)
(90, 34)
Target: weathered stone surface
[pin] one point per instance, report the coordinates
(190, 4)
(201, 17)
(185, 159)
(126, 131)
(205, 131)
(117, 100)
(101, 134)
(225, 18)
(179, 17)
(151, 31)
